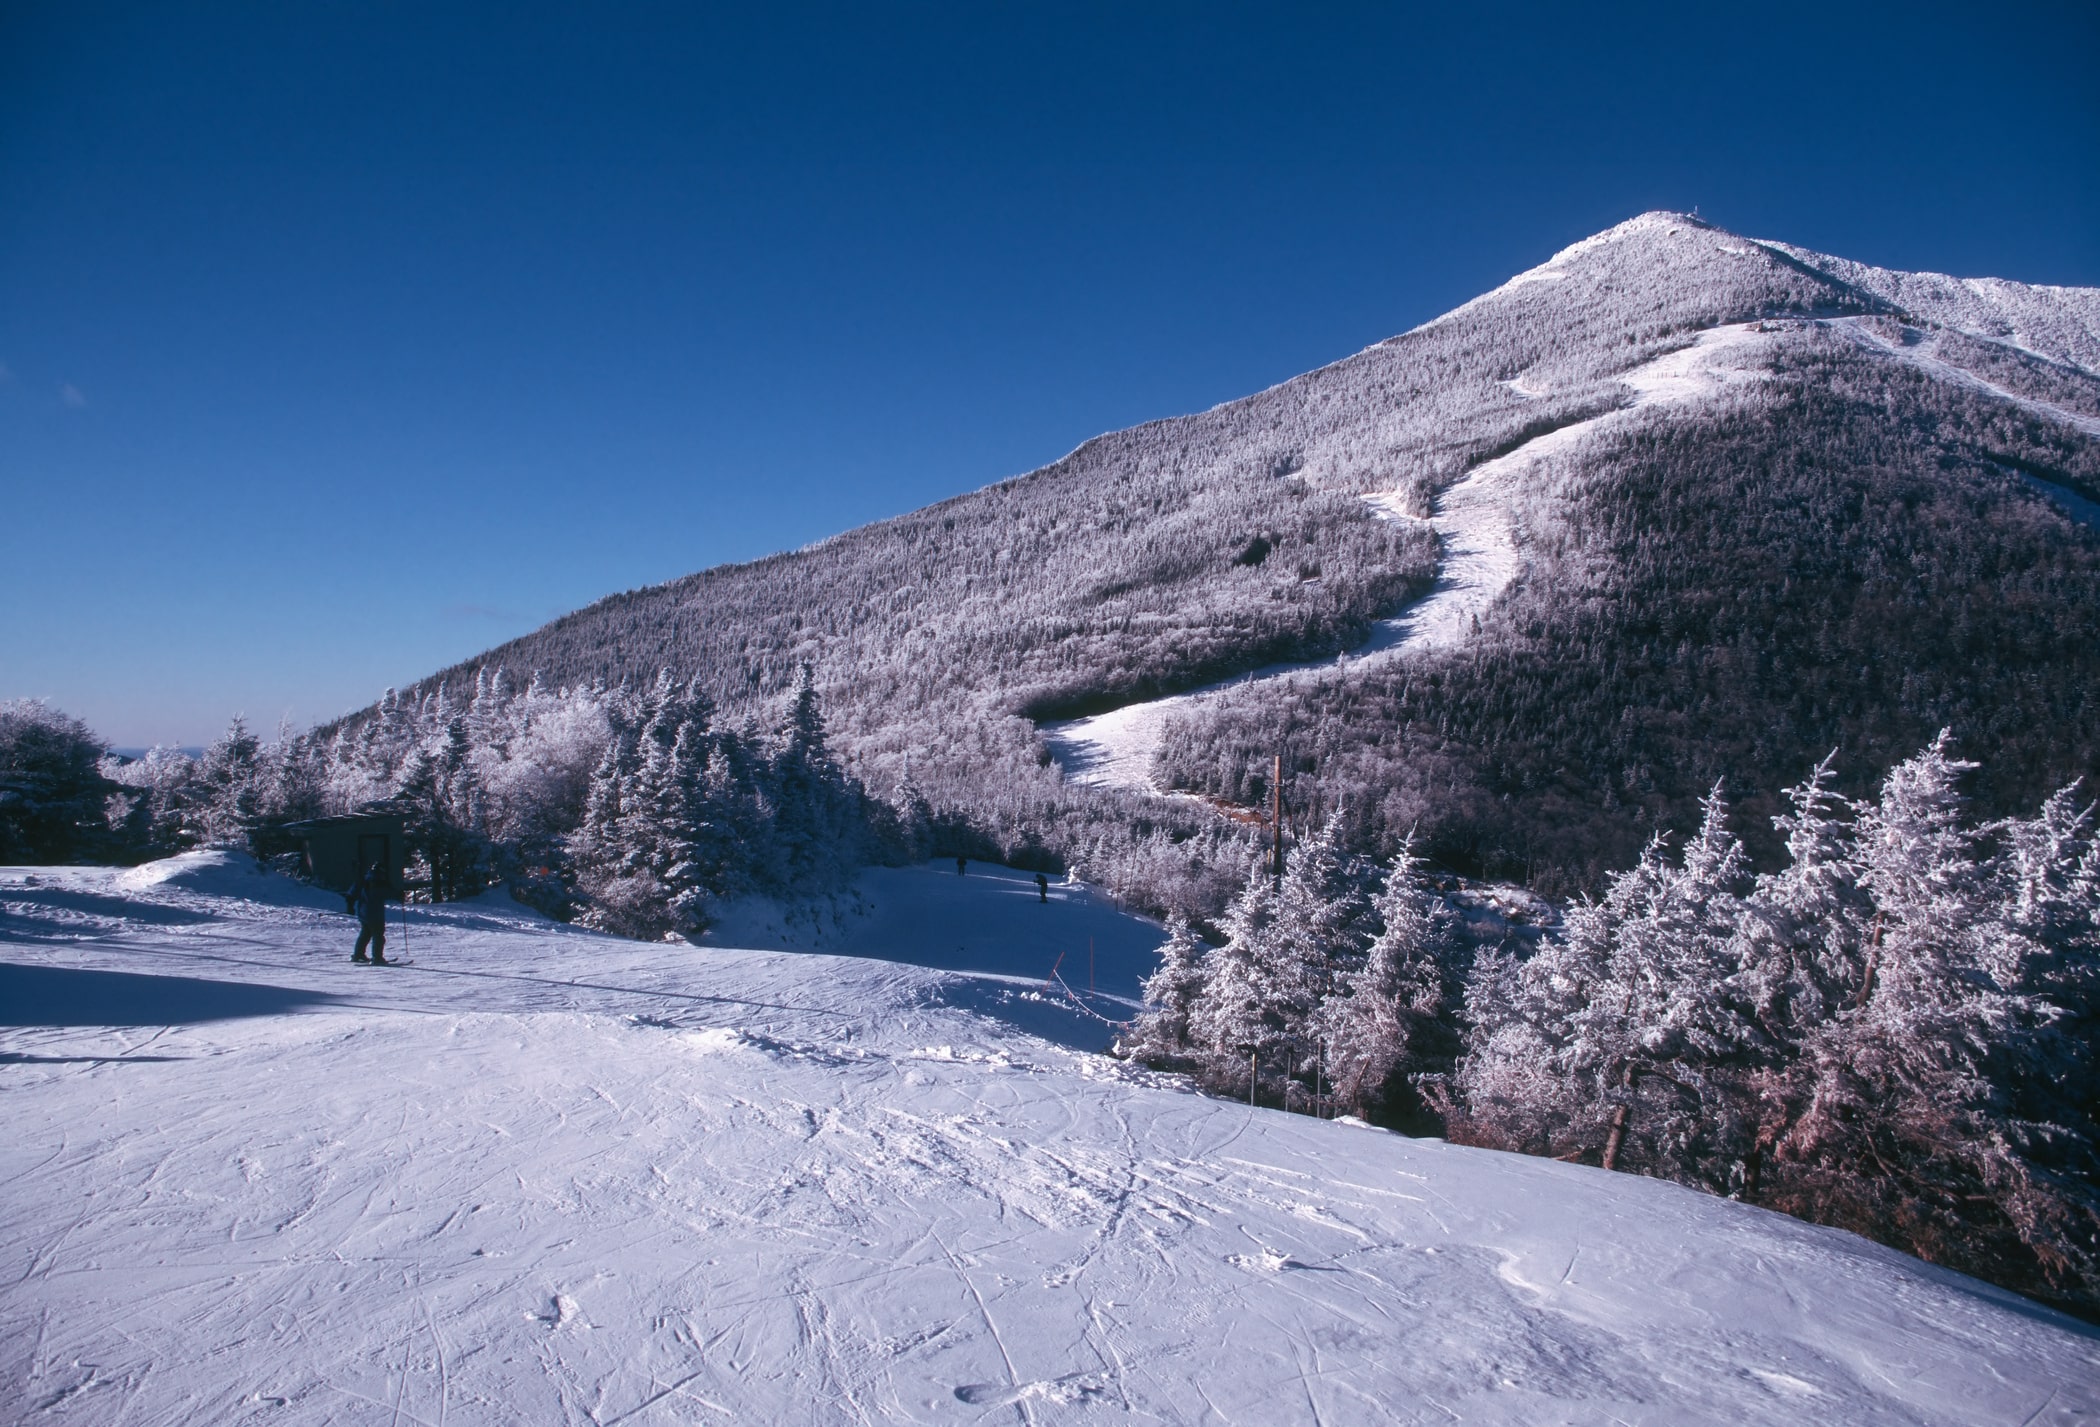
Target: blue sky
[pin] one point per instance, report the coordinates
(342, 341)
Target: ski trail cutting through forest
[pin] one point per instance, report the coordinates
(1478, 562)
(1924, 359)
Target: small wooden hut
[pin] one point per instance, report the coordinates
(335, 852)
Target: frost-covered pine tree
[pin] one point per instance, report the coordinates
(1289, 946)
(296, 779)
(817, 818)
(1391, 1021)
(1950, 1107)
(1241, 1010)
(438, 791)
(55, 778)
(1803, 925)
(1509, 1089)
(914, 814)
(1160, 1035)
(229, 787)
(683, 839)
(1324, 916)
(1634, 1021)
(597, 850)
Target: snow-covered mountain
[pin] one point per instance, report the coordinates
(541, 1175)
(1674, 505)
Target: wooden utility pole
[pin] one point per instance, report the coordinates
(1617, 1136)
(1276, 818)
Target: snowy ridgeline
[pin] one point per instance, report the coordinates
(542, 1175)
(1772, 501)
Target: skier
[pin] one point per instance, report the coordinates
(368, 901)
(962, 865)
(1042, 888)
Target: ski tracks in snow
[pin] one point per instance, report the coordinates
(462, 1197)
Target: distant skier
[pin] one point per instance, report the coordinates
(368, 901)
(1042, 888)
(962, 865)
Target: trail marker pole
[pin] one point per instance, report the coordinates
(1253, 1076)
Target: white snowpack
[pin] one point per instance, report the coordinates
(543, 1176)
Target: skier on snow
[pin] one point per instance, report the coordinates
(368, 901)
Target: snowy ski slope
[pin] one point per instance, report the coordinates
(1478, 557)
(541, 1176)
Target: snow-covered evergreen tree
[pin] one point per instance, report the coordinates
(297, 776)
(1160, 1034)
(914, 818)
(1639, 1019)
(1392, 1020)
(1324, 914)
(1242, 1010)
(1963, 1071)
(1803, 925)
(229, 788)
(55, 782)
(816, 815)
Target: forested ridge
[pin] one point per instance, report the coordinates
(1857, 553)
(1852, 562)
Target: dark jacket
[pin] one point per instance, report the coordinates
(368, 898)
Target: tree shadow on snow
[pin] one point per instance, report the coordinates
(1044, 1010)
(65, 996)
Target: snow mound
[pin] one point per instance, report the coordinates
(218, 872)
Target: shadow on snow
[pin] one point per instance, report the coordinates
(64, 996)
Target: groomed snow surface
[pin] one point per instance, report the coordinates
(542, 1176)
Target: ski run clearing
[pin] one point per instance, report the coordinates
(1479, 559)
(1475, 525)
(543, 1176)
